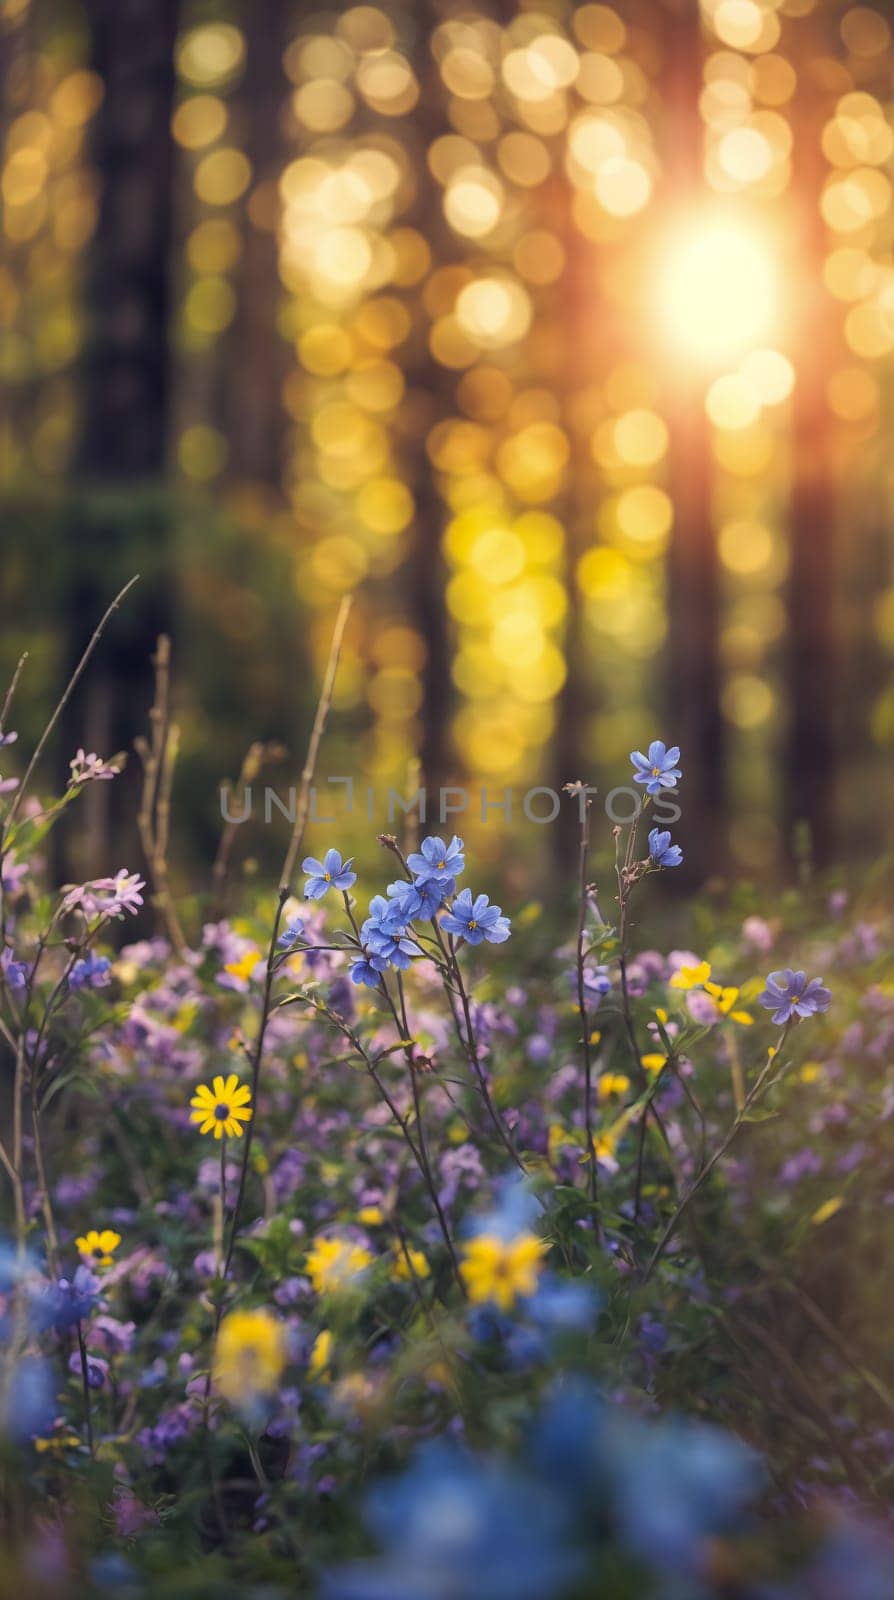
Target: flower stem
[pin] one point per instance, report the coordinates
(85, 1383)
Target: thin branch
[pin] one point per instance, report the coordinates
(63, 702)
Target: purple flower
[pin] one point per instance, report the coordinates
(93, 972)
(661, 852)
(658, 770)
(330, 873)
(436, 861)
(97, 1368)
(475, 920)
(291, 934)
(788, 994)
(85, 769)
(107, 897)
(15, 973)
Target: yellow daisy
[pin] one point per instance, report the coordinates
(612, 1083)
(97, 1248)
(222, 1108)
(691, 977)
(416, 1267)
(502, 1270)
(334, 1264)
(245, 966)
(250, 1355)
(725, 1000)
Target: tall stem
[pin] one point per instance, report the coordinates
(753, 1094)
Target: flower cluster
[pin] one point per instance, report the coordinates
(387, 939)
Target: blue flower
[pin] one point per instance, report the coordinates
(292, 933)
(66, 1302)
(383, 933)
(365, 971)
(475, 920)
(562, 1305)
(788, 994)
(30, 1400)
(420, 899)
(661, 852)
(678, 1484)
(436, 861)
(92, 972)
(330, 873)
(658, 770)
(456, 1528)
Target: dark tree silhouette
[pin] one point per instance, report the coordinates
(692, 703)
(812, 674)
(120, 513)
(255, 354)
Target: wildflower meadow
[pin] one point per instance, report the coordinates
(390, 1237)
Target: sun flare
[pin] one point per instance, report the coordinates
(718, 290)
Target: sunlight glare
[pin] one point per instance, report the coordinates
(718, 291)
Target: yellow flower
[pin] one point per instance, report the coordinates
(320, 1355)
(57, 1442)
(416, 1267)
(724, 1000)
(370, 1216)
(245, 966)
(691, 977)
(333, 1264)
(612, 1083)
(827, 1209)
(559, 1139)
(811, 1072)
(97, 1248)
(502, 1270)
(606, 1145)
(250, 1354)
(654, 1061)
(223, 1108)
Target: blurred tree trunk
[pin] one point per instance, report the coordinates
(812, 672)
(426, 402)
(121, 519)
(582, 328)
(692, 716)
(256, 355)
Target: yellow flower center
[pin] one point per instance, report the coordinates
(328, 876)
(656, 772)
(441, 865)
(473, 923)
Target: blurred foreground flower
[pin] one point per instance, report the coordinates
(334, 1264)
(250, 1355)
(456, 1528)
(502, 1271)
